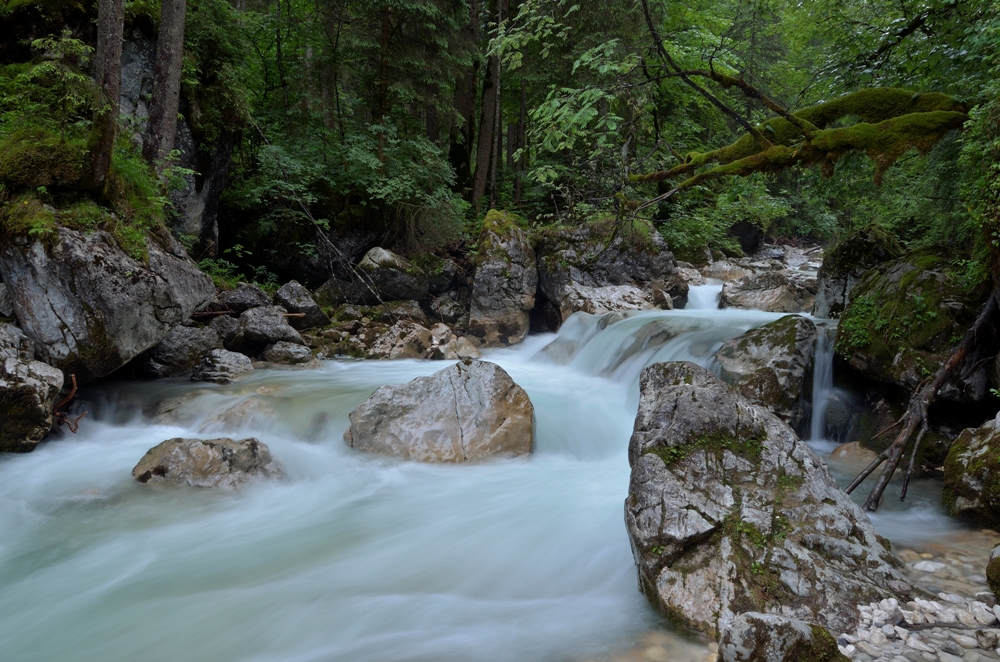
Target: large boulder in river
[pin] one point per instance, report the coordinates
(392, 276)
(470, 411)
(594, 255)
(844, 266)
(181, 350)
(89, 307)
(296, 300)
(972, 475)
(503, 287)
(772, 366)
(28, 392)
(728, 512)
(779, 291)
(221, 367)
(206, 462)
(904, 320)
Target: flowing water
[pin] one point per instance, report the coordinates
(354, 557)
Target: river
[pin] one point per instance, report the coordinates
(353, 557)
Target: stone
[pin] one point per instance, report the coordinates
(593, 255)
(180, 351)
(440, 334)
(335, 292)
(222, 367)
(446, 309)
(988, 639)
(206, 463)
(28, 392)
(469, 411)
(6, 302)
(904, 320)
(403, 340)
(260, 327)
(226, 327)
(240, 415)
(972, 475)
(608, 299)
(400, 311)
(726, 271)
(728, 512)
(392, 276)
(456, 348)
(441, 273)
(504, 283)
(844, 266)
(772, 366)
(773, 291)
(993, 576)
(296, 300)
(287, 353)
(89, 307)
(243, 298)
(690, 275)
(760, 637)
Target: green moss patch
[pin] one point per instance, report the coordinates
(35, 157)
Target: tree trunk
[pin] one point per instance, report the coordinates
(522, 123)
(486, 125)
(165, 104)
(108, 75)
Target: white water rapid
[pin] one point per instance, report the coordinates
(351, 557)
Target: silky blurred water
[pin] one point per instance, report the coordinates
(349, 557)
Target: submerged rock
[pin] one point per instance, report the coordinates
(772, 366)
(28, 393)
(466, 412)
(845, 265)
(222, 367)
(728, 512)
(780, 291)
(756, 637)
(503, 288)
(89, 307)
(181, 350)
(972, 475)
(206, 463)
(296, 300)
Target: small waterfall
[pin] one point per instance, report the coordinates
(822, 386)
(705, 297)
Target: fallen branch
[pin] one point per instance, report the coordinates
(60, 417)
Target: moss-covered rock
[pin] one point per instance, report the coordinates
(756, 637)
(844, 266)
(596, 254)
(393, 276)
(35, 157)
(503, 288)
(972, 475)
(993, 571)
(728, 513)
(772, 366)
(904, 320)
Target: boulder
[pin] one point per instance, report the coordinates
(779, 291)
(607, 299)
(28, 392)
(466, 412)
(243, 298)
(726, 271)
(287, 353)
(441, 273)
(904, 320)
(260, 327)
(226, 327)
(728, 513)
(6, 302)
(206, 462)
(181, 350)
(446, 309)
(772, 366)
(757, 637)
(690, 275)
(221, 366)
(972, 475)
(403, 340)
(456, 348)
(844, 266)
(89, 307)
(336, 291)
(296, 300)
(503, 287)
(392, 276)
(593, 255)
(993, 572)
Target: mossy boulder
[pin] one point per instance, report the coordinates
(88, 306)
(756, 637)
(772, 366)
(34, 157)
(729, 513)
(904, 320)
(594, 255)
(844, 266)
(393, 276)
(993, 571)
(503, 287)
(972, 475)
